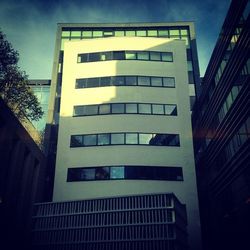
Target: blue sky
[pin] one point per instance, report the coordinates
(31, 25)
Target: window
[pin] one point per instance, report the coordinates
(118, 55)
(108, 33)
(117, 173)
(169, 82)
(93, 82)
(106, 56)
(131, 138)
(105, 81)
(81, 83)
(76, 141)
(158, 109)
(104, 109)
(167, 56)
(170, 109)
(131, 108)
(130, 55)
(103, 139)
(118, 80)
(89, 140)
(155, 56)
(102, 173)
(145, 138)
(144, 108)
(93, 57)
(97, 33)
(156, 81)
(141, 33)
(152, 32)
(130, 32)
(117, 138)
(119, 33)
(143, 55)
(163, 33)
(118, 108)
(143, 80)
(131, 80)
(87, 34)
(91, 110)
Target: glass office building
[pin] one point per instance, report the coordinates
(221, 130)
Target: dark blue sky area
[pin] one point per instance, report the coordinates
(31, 25)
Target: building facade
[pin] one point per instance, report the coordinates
(221, 130)
(22, 180)
(119, 114)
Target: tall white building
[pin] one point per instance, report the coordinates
(124, 94)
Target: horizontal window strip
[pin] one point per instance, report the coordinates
(125, 108)
(125, 173)
(106, 139)
(152, 81)
(125, 55)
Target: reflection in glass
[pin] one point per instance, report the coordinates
(86, 34)
(117, 138)
(131, 138)
(145, 138)
(117, 172)
(78, 110)
(168, 82)
(156, 81)
(89, 140)
(141, 33)
(105, 56)
(167, 56)
(118, 80)
(143, 80)
(104, 109)
(93, 57)
(131, 108)
(131, 80)
(91, 110)
(97, 33)
(155, 56)
(118, 55)
(118, 108)
(170, 109)
(143, 55)
(103, 139)
(130, 32)
(76, 141)
(102, 173)
(105, 81)
(130, 55)
(144, 108)
(152, 32)
(163, 33)
(158, 109)
(119, 33)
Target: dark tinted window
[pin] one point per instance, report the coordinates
(89, 140)
(93, 57)
(131, 80)
(118, 55)
(118, 108)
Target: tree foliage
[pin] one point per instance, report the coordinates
(14, 89)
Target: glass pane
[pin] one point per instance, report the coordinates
(103, 139)
(190, 66)
(130, 55)
(102, 173)
(65, 33)
(143, 55)
(118, 80)
(130, 32)
(168, 82)
(184, 32)
(131, 108)
(152, 32)
(163, 33)
(145, 138)
(118, 55)
(91, 110)
(131, 138)
(130, 80)
(104, 109)
(76, 141)
(119, 33)
(89, 140)
(170, 109)
(117, 173)
(141, 33)
(105, 81)
(76, 34)
(117, 138)
(117, 108)
(105, 56)
(144, 80)
(174, 33)
(93, 82)
(86, 34)
(78, 110)
(156, 81)
(93, 57)
(144, 108)
(97, 33)
(155, 56)
(158, 109)
(87, 174)
(167, 56)
(81, 83)
(108, 33)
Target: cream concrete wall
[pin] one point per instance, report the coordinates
(132, 154)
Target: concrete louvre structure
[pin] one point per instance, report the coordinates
(22, 180)
(130, 223)
(221, 130)
(120, 95)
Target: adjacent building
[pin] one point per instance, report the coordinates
(119, 123)
(221, 130)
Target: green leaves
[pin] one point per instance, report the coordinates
(14, 89)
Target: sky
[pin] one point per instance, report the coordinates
(30, 25)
